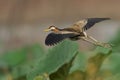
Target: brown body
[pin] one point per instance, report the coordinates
(74, 32)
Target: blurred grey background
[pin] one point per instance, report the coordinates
(22, 21)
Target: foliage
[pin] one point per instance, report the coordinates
(62, 62)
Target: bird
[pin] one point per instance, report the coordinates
(74, 32)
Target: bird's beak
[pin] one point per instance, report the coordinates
(46, 30)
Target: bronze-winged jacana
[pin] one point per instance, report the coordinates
(75, 32)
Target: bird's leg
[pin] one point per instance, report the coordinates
(86, 39)
(94, 41)
(99, 43)
(106, 45)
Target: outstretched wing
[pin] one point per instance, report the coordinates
(93, 21)
(87, 23)
(53, 38)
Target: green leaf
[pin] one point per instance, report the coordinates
(42, 77)
(102, 50)
(14, 57)
(54, 59)
(20, 71)
(114, 77)
(63, 71)
(36, 51)
(112, 63)
(20, 61)
(79, 62)
(76, 75)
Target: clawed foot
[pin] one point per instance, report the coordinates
(106, 45)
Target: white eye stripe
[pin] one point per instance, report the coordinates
(52, 28)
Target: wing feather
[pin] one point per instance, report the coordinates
(85, 24)
(93, 21)
(53, 38)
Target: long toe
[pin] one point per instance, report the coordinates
(106, 45)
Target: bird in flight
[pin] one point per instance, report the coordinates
(74, 32)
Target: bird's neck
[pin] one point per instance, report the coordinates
(57, 30)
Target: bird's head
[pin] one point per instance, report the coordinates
(51, 28)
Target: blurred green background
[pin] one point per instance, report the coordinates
(22, 24)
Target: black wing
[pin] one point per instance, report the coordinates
(53, 38)
(93, 21)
